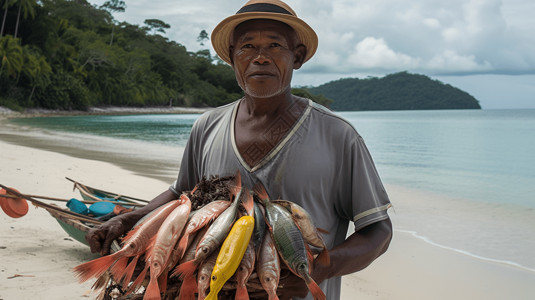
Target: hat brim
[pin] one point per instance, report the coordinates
(223, 31)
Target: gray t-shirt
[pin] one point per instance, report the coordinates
(323, 165)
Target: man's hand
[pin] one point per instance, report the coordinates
(101, 237)
(292, 286)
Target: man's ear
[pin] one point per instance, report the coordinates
(300, 53)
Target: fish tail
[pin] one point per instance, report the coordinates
(260, 191)
(152, 292)
(129, 271)
(139, 280)
(314, 288)
(185, 270)
(241, 293)
(95, 268)
(188, 289)
(248, 203)
(118, 268)
(184, 198)
(236, 188)
(324, 258)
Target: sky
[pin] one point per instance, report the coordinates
(484, 47)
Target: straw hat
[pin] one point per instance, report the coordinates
(263, 9)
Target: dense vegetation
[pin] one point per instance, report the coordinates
(399, 91)
(71, 55)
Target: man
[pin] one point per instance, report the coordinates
(298, 150)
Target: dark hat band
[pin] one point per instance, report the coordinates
(264, 7)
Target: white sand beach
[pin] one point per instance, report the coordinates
(36, 255)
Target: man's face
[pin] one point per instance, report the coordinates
(264, 54)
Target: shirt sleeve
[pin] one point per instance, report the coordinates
(188, 174)
(370, 201)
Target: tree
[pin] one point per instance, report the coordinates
(113, 6)
(27, 8)
(157, 25)
(12, 57)
(5, 6)
(203, 36)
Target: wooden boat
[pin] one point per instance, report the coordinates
(74, 224)
(94, 194)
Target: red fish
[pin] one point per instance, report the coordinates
(160, 250)
(135, 244)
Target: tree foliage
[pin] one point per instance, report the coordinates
(399, 91)
(73, 55)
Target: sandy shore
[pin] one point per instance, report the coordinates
(37, 255)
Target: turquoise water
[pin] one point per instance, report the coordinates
(460, 179)
(482, 155)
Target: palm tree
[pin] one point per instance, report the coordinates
(11, 54)
(5, 6)
(27, 7)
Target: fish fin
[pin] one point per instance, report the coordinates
(322, 230)
(194, 190)
(236, 186)
(129, 271)
(314, 288)
(310, 255)
(182, 246)
(118, 268)
(260, 191)
(185, 270)
(152, 292)
(150, 247)
(130, 234)
(324, 258)
(95, 268)
(162, 281)
(188, 289)
(139, 280)
(248, 202)
(241, 293)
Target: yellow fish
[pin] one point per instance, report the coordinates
(231, 254)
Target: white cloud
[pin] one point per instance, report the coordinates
(450, 61)
(373, 53)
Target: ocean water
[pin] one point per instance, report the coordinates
(473, 171)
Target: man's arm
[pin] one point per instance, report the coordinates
(101, 237)
(358, 251)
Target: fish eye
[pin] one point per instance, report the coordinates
(214, 278)
(205, 250)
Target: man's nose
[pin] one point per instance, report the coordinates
(262, 58)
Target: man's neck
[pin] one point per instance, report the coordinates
(266, 107)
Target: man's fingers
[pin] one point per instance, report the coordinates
(94, 239)
(105, 250)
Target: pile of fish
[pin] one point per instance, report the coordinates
(221, 245)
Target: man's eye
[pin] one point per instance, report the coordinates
(275, 45)
(247, 46)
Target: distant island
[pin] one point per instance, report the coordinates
(399, 91)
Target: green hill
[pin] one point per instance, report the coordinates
(399, 91)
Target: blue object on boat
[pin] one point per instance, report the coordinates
(77, 206)
(101, 208)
